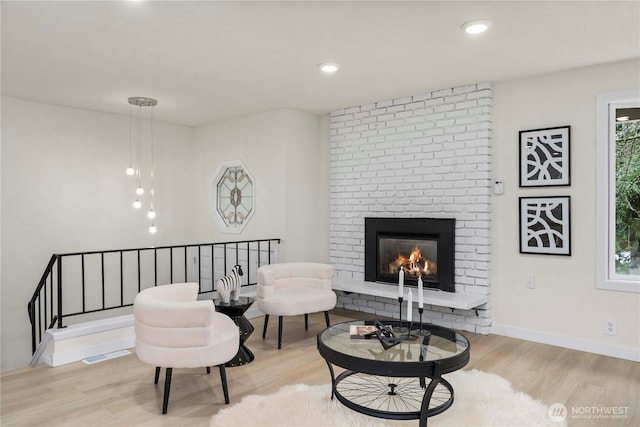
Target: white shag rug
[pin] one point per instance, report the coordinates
(480, 400)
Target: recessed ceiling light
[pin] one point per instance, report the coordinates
(622, 118)
(328, 67)
(476, 26)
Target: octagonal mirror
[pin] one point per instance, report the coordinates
(232, 199)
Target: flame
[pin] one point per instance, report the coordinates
(414, 264)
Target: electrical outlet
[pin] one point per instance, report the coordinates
(529, 281)
(610, 327)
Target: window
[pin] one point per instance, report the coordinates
(618, 191)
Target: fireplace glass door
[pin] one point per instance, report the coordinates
(425, 247)
(418, 256)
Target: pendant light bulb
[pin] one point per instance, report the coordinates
(139, 191)
(137, 204)
(153, 229)
(130, 171)
(151, 214)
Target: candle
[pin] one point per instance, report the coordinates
(420, 295)
(401, 283)
(409, 306)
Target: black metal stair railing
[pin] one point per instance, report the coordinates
(82, 283)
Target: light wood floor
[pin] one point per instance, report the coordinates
(120, 392)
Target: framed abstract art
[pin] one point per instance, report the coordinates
(545, 225)
(544, 157)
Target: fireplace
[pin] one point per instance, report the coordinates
(424, 247)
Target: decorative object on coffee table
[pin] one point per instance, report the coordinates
(544, 157)
(545, 226)
(410, 336)
(420, 331)
(400, 296)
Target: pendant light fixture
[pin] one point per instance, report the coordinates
(135, 162)
(130, 170)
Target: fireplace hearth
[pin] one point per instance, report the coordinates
(424, 247)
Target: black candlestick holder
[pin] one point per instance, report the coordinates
(410, 336)
(420, 331)
(400, 328)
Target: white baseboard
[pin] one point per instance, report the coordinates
(77, 342)
(81, 352)
(628, 353)
(92, 327)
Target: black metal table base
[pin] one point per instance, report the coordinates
(243, 357)
(235, 310)
(391, 397)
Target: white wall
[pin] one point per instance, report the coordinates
(565, 308)
(282, 150)
(64, 190)
(307, 189)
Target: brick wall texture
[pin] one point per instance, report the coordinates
(425, 155)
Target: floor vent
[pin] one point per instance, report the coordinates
(102, 357)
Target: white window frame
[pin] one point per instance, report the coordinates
(606, 104)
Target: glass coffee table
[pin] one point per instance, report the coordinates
(399, 380)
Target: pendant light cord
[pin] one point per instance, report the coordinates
(152, 153)
(138, 143)
(130, 134)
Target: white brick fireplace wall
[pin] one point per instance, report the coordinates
(425, 155)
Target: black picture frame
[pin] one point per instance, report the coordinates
(545, 225)
(545, 157)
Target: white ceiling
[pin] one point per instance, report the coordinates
(206, 60)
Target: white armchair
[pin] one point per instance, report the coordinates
(291, 289)
(174, 330)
